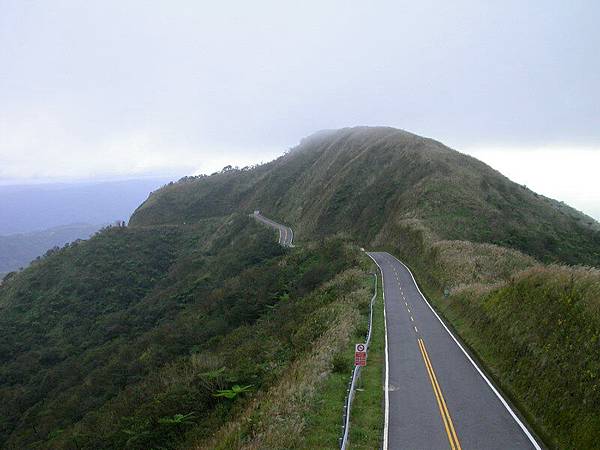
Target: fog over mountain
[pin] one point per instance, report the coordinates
(128, 88)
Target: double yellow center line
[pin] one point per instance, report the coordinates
(450, 431)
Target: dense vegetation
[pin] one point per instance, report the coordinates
(540, 333)
(151, 337)
(461, 225)
(303, 409)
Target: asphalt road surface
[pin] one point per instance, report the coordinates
(286, 235)
(436, 397)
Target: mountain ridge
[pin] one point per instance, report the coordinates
(357, 179)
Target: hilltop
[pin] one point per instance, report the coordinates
(359, 180)
(493, 256)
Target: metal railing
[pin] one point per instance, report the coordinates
(354, 379)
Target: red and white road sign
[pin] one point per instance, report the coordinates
(360, 355)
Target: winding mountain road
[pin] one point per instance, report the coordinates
(436, 395)
(286, 235)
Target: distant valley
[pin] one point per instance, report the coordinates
(36, 207)
(35, 218)
(18, 250)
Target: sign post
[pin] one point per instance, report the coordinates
(360, 355)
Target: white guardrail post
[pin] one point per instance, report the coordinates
(355, 375)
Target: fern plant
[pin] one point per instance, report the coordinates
(233, 392)
(178, 419)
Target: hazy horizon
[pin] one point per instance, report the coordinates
(546, 181)
(30, 208)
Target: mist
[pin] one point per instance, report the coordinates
(128, 88)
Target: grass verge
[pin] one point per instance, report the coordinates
(366, 424)
(324, 421)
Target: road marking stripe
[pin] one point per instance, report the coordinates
(416, 329)
(485, 378)
(437, 397)
(450, 424)
(411, 318)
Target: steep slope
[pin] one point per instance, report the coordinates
(126, 340)
(357, 180)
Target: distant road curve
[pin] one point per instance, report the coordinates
(436, 397)
(286, 235)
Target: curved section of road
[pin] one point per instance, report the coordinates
(286, 235)
(436, 395)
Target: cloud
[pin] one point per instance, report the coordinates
(565, 173)
(112, 88)
(40, 145)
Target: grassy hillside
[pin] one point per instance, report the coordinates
(358, 180)
(127, 340)
(535, 327)
(479, 245)
(540, 334)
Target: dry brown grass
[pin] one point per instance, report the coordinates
(456, 263)
(466, 262)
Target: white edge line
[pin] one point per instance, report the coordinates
(489, 383)
(386, 414)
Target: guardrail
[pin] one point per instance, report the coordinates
(353, 380)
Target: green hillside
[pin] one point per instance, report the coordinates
(126, 340)
(463, 228)
(357, 180)
(192, 328)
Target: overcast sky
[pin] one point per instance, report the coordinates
(130, 88)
